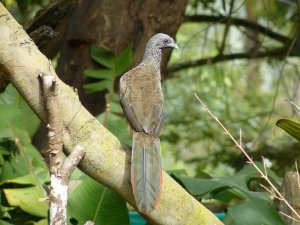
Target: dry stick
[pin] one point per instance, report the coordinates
(265, 176)
(60, 167)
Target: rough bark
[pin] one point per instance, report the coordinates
(113, 26)
(291, 191)
(106, 159)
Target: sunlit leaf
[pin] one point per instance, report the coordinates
(99, 73)
(102, 56)
(235, 187)
(92, 201)
(2, 222)
(97, 86)
(41, 222)
(123, 60)
(13, 111)
(28, 199)
(290, 126)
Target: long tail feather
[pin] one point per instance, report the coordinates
(146, 171)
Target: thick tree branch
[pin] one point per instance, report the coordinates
(106, 159)
(276, 53)
(49, 26)
(240, 22)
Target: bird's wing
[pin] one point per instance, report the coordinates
(142, 100)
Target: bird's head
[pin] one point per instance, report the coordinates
(161, 41)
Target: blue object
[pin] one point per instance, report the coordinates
(137, 219)
(221, 216)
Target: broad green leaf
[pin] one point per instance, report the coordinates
(2, 222)
(234, 187)
(290, 126)
(248, 213)
(123, 60)
(27, 161)
(97, 86)
(28, 199)
(263, 203)
(92, 201)
(99, 73)
(9, 97)
(26, 179)
(5, 133)
(227, 195)
(8, 113)
(199, 187)
(41, 222)
(102, 56)
(115, 108)
(179, 171)
(115, 97)
(15, 111)
(249, 171)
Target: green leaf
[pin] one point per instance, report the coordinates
(102, 56)
(123, 60)
(115, 97)
(28, 199)
(27, 161)
(249, 172)
(234, 187)
(26, 179)
(256, 210)
(2, 222)
(15, 111)
(92, 201)
(200, 187)
(115, 108)
(179, 171)
(290, 127)
(97, 86)
(99, 73)
(41, 222)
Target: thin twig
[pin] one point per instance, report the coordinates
(264, 176)
(289, 217)
(298, 177)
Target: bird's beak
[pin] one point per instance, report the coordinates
(175, 46)
(172, 45)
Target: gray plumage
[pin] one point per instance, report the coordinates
(142, 102)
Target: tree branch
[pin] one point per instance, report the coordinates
(276, 53)
(240, 22)
(60, 166)
(106, 159)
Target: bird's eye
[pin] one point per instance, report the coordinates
(166, 40)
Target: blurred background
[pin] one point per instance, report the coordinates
(241, 57)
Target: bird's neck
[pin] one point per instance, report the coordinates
(152, 57)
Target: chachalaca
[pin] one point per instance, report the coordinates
(142, 101)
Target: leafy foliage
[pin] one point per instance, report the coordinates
(92, 201)
(249, 208)
(22, 171)
(114, 66)
(290, 126)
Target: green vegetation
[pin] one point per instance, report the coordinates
(251, 97)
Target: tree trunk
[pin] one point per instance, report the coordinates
(113, 26)
(106, 159)
(291, 191)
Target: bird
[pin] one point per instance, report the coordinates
(141, 98)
